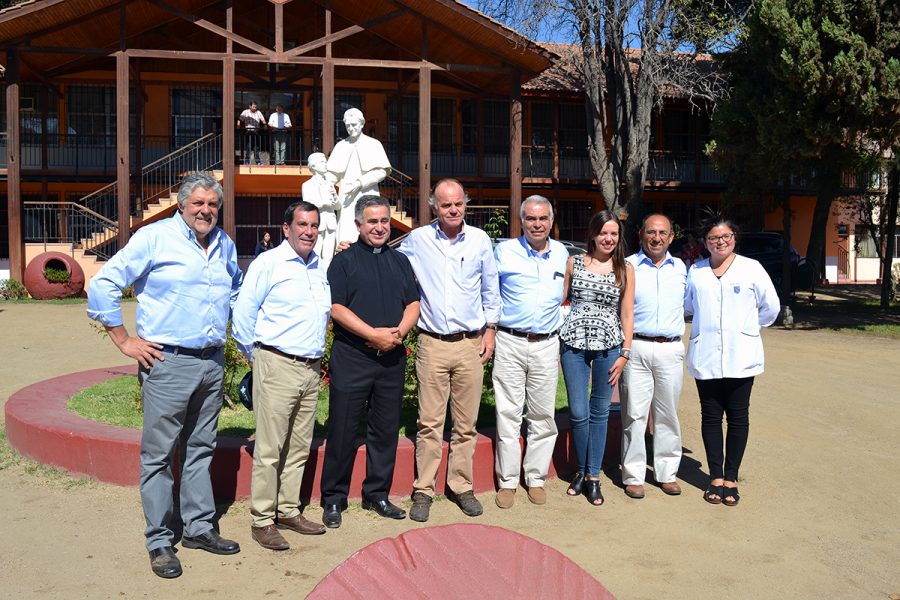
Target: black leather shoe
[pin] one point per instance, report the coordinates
(331, 516)
(211, 541)
(384, 508)
(164, 562)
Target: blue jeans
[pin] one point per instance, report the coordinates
(588, 415)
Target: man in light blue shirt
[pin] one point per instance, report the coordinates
(460, 305)
(186, 278)
(532, 271)
(279, 324)
(652, 378)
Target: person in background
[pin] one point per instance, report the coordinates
(264, 244)
(731, 297)
(280, 125)
(253, 122)
(596, 338)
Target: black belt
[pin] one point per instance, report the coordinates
(203, 353)
(452, 337)
(656, 338)
(274, 350)
(531, 337)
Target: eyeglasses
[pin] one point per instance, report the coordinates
(725, 237)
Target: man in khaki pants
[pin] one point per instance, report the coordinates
(454, 264)
(279, 323)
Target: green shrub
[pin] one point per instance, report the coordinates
(10, 289)
(57, 275)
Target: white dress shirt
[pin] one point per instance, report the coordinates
(285, 303)
(457, 278)
(658, 296)
(728, 314)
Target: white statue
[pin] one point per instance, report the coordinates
(319, 190)
(359, 164)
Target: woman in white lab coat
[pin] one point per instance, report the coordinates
(730, 297)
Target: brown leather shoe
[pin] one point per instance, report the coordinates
(537, 495)
(671, 488)
(505, 498)
(301, 525)
(634, 491)
(269, 538)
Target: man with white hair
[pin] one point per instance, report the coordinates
(186, 278)
(532, 272)
(359, 164)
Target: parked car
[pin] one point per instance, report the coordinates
(767, 247)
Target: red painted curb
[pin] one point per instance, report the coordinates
(39, 426)
(458, 561)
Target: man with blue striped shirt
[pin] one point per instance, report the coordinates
(652, 377)
(532, 271)
(186, 279)
(279, 323)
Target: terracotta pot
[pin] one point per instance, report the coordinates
(38, 286)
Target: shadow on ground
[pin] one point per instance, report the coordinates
(843, 307)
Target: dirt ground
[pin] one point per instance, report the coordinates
(819, 515)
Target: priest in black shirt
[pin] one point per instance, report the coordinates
(375, 302)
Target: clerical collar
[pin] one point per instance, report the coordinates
(372, 249)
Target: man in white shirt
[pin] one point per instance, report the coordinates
(279, 324)
(653, 376)
(252, 121)
(457, 275)
(280, 124)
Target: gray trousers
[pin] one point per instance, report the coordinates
(182, 398)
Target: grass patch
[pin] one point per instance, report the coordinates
(9, 458)
(115, 402)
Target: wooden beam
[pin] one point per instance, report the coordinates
(515, 155)
(214, 28)
(28, 9)
(279, 28)
(424, 145)
(328, 89)
(123, 168)
(228, 119)
(344, 33)
(14, 170)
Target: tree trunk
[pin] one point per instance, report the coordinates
(889, 232)
(828, 182)
(786, 267)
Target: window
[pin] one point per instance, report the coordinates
(573, 129)
(403, 125)
(863, 243)
(257, 215)
(92, 113)
(677, 135)
(469, 113)
(195, 112)
(443, 132)
(496, 127)
(541, 124)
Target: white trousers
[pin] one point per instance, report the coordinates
(651, 380)
(525, 375)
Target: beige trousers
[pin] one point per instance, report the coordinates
(447, 371)
(285, 394)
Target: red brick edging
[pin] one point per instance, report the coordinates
(40, 427)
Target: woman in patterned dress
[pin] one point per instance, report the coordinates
(596, 343)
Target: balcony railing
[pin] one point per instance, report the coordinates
(71, 223)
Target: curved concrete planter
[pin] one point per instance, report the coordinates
(39, 426)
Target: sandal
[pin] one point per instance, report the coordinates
(730, 496)
(592, 492)
(713, 490)
(577, 484)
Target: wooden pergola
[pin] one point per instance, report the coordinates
(421, 41)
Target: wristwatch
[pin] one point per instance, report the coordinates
(491, 326)
(625, 353)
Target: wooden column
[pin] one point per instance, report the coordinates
(229, 223)
(13, 169)
(515, 156)
(424, 144)
(328, 92)
(123, 167)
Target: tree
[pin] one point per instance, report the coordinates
(809, 82)
(629, 53)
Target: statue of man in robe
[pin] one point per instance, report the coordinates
(359, 163)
